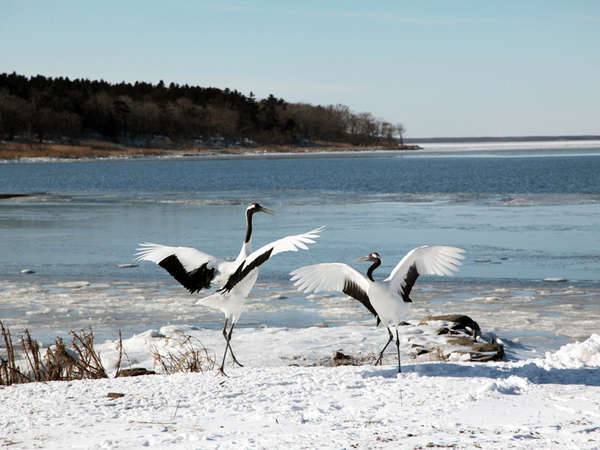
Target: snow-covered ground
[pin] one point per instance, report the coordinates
(280, 399)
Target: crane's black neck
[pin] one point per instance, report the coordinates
(375, 265)
(249, 213)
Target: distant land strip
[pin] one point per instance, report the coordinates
(88, 115)
(108, 149)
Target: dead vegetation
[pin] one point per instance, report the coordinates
(57, 363)
(25, 362)
(84, 149)
(188, 355)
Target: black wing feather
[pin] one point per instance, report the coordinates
(354, 290)
(409, 281)
(193, 281)
(243, 270)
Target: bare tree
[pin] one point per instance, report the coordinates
(400, 130)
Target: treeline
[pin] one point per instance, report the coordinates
(41, 108)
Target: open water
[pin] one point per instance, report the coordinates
(521, 216)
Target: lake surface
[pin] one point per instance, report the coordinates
(521, 216)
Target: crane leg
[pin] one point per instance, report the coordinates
(391, 336)
(222, 368)
(398, 349)
(227, 336)
(230, 349)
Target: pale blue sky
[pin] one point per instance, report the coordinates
(442, 68)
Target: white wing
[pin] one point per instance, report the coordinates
(424, 260)
(190, 258)
(327, 277)
(286, 244)
(192, 268)
(334, 277)
(258, 257)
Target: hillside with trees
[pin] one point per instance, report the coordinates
(43, 108)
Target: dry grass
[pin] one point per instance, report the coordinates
(27, 363)
(58, 363)
(87, 149)
(190, 356)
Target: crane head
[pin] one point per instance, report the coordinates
(255, 207)
(373, 257)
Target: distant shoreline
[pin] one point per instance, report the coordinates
(106, 149)
(98, 149)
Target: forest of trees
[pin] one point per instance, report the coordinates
(41, 108)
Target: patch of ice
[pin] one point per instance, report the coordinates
(555, 280)
(72, 284)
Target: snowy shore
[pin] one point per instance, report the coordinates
(547, 402)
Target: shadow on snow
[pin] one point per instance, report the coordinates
(587, 376)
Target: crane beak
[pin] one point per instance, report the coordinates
(267, 211)
(364, 258)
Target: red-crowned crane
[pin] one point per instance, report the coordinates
(387, 300)
(196, 270)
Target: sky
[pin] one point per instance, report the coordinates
(441, 68)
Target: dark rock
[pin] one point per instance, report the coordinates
(488, 352)
(340, 356)
(115, 395)
(479, 352)
(446, 330)
(461, 340)
(339, 359)
(461, 322)
(134, 372)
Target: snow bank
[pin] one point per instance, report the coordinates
(576, 355)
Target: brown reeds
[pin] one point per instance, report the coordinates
(9, 373)
(81, 361)
(58, 363)
(190, 356)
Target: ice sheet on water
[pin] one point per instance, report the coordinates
(515, 145)
(72, 284)
(538, 318)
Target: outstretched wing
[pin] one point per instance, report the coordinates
(258, 257)
(334, 277)
(424, 260)
(192, 268)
